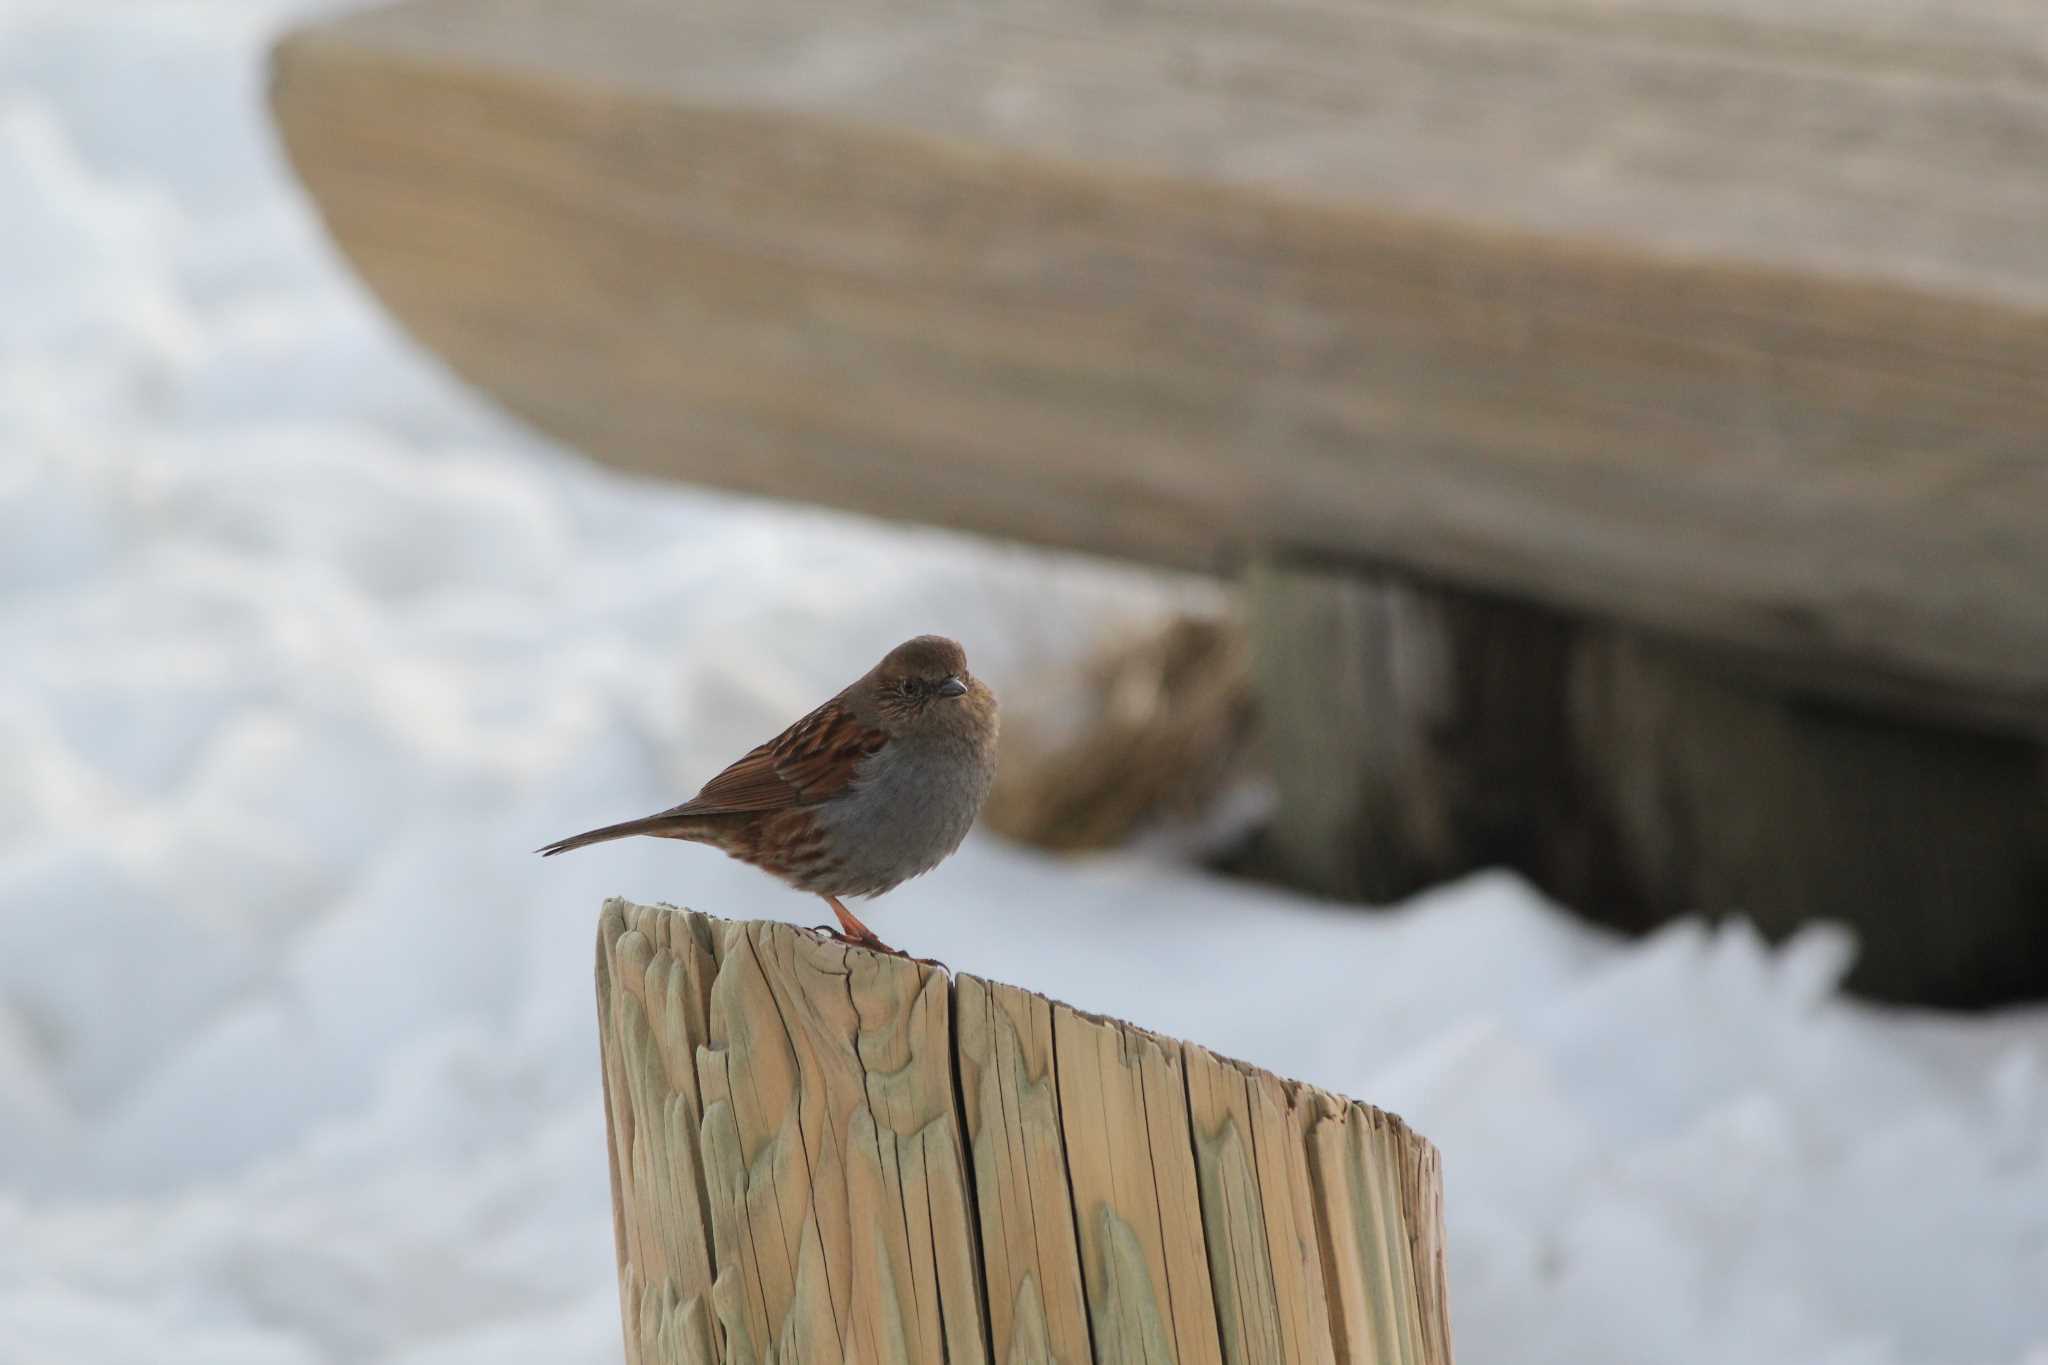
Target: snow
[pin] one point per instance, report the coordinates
(305, 650)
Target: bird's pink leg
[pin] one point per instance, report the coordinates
(854, 932)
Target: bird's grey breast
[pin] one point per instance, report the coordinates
(914, 802)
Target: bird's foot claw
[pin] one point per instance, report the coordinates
(871, 943)
(875, 946)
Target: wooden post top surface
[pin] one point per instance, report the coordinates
(822, 1153)
(1720, 318)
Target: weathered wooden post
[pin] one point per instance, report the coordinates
(823, 1154)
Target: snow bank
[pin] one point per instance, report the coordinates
(304, 652)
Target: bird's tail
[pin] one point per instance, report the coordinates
(665, 824)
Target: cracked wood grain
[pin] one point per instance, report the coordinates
(654, 974)
(823, 1155)
(1384, 1274)
(1259, 1215)
(1125, 1112)
(1036, 1310)
(811, 1130)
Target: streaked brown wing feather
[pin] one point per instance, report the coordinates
(810, 761)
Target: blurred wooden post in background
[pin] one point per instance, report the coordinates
(823, 1154)
(1623, 772)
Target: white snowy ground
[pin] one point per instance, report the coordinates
(301, 654)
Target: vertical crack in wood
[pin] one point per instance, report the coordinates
(1052, 1079)
(1152, 1170)
(1339, 1260)
(1145, 1269)
(1008, 1089)
(618, 1135)
(1225, 1293)
(983, 1305)
(651, 974)
(1265, 1256)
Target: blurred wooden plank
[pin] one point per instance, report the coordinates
(823, 1131)
(1850, 139)
(1719, 319)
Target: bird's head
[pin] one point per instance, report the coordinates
(923, 683)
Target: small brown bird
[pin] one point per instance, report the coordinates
(873, 788)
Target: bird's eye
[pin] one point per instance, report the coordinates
(908, 687)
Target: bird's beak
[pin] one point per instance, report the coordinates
(952, 687)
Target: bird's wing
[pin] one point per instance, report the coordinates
(810, 761)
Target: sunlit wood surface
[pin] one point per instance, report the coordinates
(824, 1154)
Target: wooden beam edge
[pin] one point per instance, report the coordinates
(302, 51)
